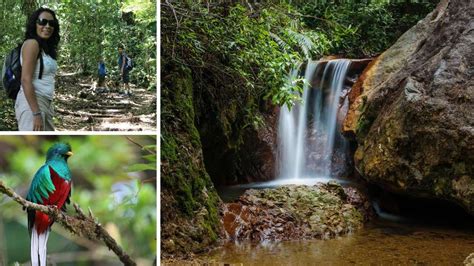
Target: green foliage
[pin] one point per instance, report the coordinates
(360, 29)
(290, 93)
(91, 30)
(12, 23)
(253, 51)
(95, 29)
(110, 176)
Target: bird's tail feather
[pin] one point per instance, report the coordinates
(38, 247)
(34, 247)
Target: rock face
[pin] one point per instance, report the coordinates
(414, 121)
(236, 150)
(258, 150)
(295, 212)
(189, 202)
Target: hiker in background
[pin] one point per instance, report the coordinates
(33, 106)
(102, 71)
(122, 62)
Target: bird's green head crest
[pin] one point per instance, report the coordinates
(59, 150)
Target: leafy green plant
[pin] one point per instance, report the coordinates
(289, 94)
(358, 29)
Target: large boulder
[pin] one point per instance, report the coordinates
(414, 118)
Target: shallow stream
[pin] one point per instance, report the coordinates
(410, 240)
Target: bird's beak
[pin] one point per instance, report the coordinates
(69, 153)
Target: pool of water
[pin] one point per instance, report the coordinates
(381, 242)
(421, 237)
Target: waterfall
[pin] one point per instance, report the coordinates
(286, 133)
(307, 133)
(302, 121)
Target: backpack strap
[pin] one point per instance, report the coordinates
(41, 65)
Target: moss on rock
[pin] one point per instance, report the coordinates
(189, 202)
(295, 212)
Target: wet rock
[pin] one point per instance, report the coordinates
(257, 223)
(293, 212)
(357, 199)
(413, 121)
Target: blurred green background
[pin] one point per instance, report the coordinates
(114, 176)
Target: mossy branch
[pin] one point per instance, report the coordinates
(80, 224)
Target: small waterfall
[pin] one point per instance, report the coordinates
(309, 133)
(301, 113)
(286, 134)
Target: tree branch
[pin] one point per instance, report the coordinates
(141, 146)
(79, 224)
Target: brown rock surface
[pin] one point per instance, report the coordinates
(414, 121)
(258, 151)
(295, 212)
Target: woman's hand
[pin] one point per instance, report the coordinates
(37, 123)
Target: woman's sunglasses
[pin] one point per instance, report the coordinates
(52, 23)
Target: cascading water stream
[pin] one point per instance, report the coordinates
(301, 126)
(308, 131)
(286, 135)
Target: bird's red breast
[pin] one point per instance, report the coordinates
(56, 198)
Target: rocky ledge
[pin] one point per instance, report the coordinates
(295, 212)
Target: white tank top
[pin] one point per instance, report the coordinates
(45, 85)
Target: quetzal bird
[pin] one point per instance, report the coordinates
(51, 185)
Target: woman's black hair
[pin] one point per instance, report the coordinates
(50, 45)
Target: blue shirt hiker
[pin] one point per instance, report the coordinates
(102, 71)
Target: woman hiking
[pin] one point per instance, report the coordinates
(33, 106)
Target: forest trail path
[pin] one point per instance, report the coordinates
(81, 106)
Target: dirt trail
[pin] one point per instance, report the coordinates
(81, 106)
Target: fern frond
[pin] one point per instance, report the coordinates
(279, 41)
(304, 42)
